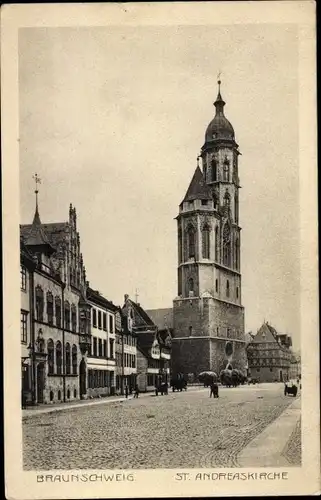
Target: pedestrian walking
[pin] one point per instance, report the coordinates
(214, 390)
(136, 394)
(126, 391)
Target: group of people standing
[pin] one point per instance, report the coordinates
(129, 391)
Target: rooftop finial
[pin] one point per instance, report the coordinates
(219, 103)
(198, 161)
(37, 181)
(219, 81)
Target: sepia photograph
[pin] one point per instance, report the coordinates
(159, 199)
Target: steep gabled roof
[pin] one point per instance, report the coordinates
(99, 299)
(198, 189)
(163, 318)
(36, 235)
(56, 232)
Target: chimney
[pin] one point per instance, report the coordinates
(126, 297)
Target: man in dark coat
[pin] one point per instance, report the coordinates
(214, 390)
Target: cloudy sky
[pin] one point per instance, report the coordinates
(112, 119)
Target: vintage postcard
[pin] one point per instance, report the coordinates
(160, 250)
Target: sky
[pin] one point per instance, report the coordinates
(113, 118)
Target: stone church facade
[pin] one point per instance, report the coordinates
(208, 316)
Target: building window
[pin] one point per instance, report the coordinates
(67, 315)
(58, 311)
(216, 285)
(258, 369)
(23, 278)
(111, 348)
(73, 318)
(206, 242)
(237, 292)
(100, 347)
(214, 171)
(74, 360)
(24, 326)
(68, 358)
(271, 369)
(226, 171)
(204, 202)
(50, 310)
(190, 328)
(59, 357)
(226, 246)
(39, 303)
(111, 324)
(216, 244)
(105, 349)
(191, 242)
(99, 320)
(133, 361)
(191, 287)
(105, 322)
(227, 288)
(95, 347)
(237, 254)
(94, 318)
(51, 355)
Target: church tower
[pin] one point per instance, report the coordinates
(208, 312)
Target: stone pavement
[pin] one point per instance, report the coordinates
(271, 447)
(181, 430)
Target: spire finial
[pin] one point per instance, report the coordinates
(219, 81)
(198, 161)
(37, 181)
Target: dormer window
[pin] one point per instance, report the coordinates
(204, 202)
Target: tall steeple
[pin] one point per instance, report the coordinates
(37, 237)
(219, 128)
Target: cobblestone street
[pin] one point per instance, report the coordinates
(181, 430)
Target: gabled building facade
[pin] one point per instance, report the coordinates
(153, 347)
(208, 316)
(59, 313)
(269, 355)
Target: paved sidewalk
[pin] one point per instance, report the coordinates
(37, 410)
(266, 450)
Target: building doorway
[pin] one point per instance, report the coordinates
(281, 376)
(40, 382)
(82, 379)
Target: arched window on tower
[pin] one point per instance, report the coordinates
(217, 243)
(206, 242)
(50, 308)
(227, 200)
(226, 170)
(179, 246)
(67, 315)
(237, 254)
(227, 288)
(214, 170)
(226, 245)
(190, 287)
(236, 208)
(191, 242)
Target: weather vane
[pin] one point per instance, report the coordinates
(37, 181)
(219, 78)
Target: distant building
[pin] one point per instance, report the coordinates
(101, 363)
(269, 355)
(126, 351)
(153, 347)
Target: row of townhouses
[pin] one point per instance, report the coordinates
(76, 344)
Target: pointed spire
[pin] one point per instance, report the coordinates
(37, 236)
(219, 103)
